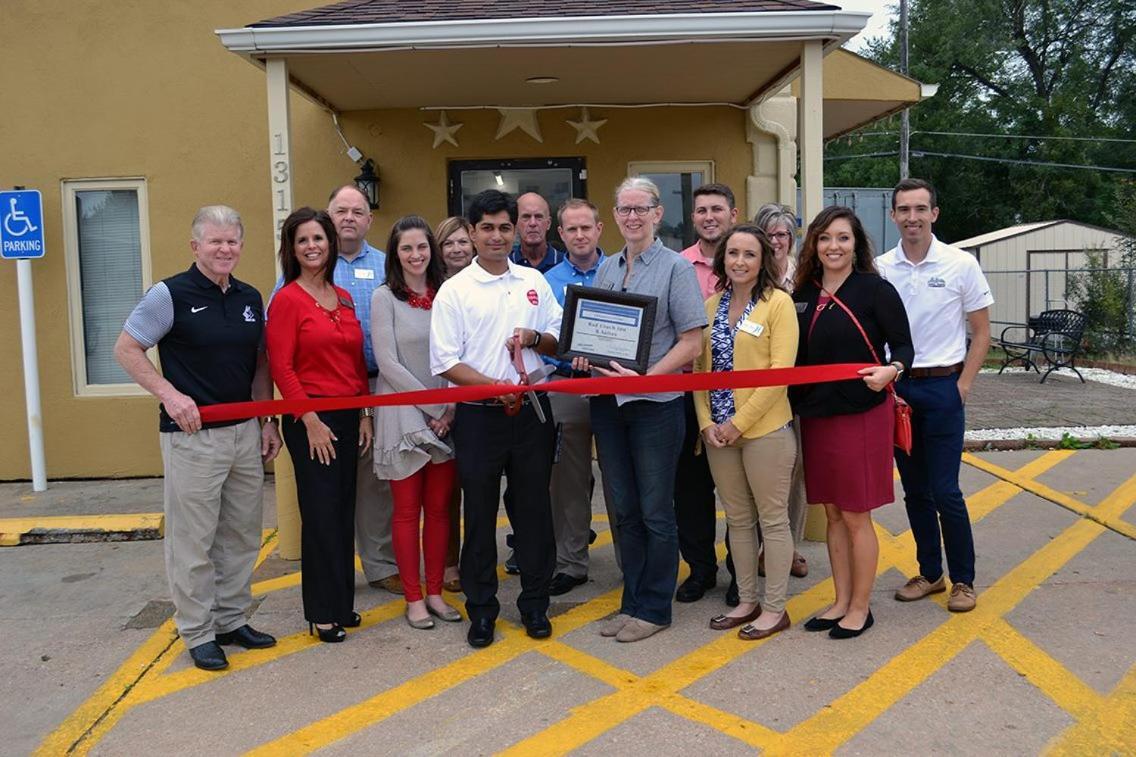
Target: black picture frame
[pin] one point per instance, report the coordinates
(610, 330)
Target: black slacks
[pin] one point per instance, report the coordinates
(326, 495)
(695, 512)
(487, 443)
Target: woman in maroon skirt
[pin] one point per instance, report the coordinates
(847, 427)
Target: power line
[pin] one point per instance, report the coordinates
(1000, 136)
(926, 154)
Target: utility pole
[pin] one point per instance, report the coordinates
(904, 121)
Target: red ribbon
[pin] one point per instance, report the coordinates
(671, 382)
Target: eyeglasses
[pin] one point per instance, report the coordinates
(781, 235)
(640, 210)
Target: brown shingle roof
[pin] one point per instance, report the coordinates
(394, 11)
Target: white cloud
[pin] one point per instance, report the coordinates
(882, 12)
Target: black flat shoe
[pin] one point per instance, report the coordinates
(331, 635)
(537, 625)
(209, 656)
(480, 633)
(355, 622)
(562, 583)
(694, 588)
(840, 632)
(821, 624)
(248, 637)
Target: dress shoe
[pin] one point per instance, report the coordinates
(209, 656)
(511, 566)
(453, 586)
(393, 584)
(422, 624)
(800, 567)
(591, 536)
(248, 637)
(480, 633)
(694, 588)
(821, 624)
(537, 625)
(638, 629)
(733, 599)
(354, 621)
(749, 633)
(840, 632)
(726, 622)
(450, 615)
(920, 587)
(562, 583)
(332, 635)
(614, 624)
(962, 598)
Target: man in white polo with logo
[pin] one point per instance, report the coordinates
(944, 292)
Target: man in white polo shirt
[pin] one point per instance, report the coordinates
(481, 318)
(944, 292)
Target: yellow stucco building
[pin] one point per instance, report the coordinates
(131, 115)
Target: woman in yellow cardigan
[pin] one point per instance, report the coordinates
(748, 432)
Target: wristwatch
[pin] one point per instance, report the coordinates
(536, 339)
(269, 419)
(368, 412)
(898, 367)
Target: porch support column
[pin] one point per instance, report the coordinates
(810, 130)
(771, 131)
(280, 184)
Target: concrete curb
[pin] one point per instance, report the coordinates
(77, 529)
(1002, 445)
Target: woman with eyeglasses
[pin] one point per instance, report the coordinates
(638, 437)
(780, 226)
(315, 349)
(456, 247)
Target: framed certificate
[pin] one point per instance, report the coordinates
(603, 325)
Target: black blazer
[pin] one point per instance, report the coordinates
(835, 339)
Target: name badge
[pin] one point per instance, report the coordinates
(801, 306)
(749, 327)
(364, 273)
(936, 283)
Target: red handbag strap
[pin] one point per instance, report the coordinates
(856, 321)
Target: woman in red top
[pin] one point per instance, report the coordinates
(315, 349)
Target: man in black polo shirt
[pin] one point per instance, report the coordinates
(208, 328)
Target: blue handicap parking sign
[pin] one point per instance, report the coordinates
(21, 224)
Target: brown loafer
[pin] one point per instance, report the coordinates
(800, 567)
(454, 586)
(725, 622)
(391, 583)
(749, 633)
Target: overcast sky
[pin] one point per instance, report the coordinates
(882, 12)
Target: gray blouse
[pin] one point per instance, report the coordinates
(400, 338)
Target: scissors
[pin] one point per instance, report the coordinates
(513, 407)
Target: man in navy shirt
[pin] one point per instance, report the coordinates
(534, 219)
(209, 329)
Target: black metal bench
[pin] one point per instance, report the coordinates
(1053, 336)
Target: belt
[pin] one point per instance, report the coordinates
(937, 371)
(525, 400)
(372, 374)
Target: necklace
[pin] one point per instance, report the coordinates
(420, 301)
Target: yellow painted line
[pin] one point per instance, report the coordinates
(850, 713)
(15, 531)
(1052, 678)
(381, 706)
(1056, 497)
(617, 678)
(591, 720)
(746, 731)
(1111, 729)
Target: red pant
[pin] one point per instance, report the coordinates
(428, 489)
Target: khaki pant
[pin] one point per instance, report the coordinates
(373, 510)
(213, 501)
(753, 477)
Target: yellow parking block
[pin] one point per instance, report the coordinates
(58, 529)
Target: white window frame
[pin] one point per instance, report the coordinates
(68, 189)
(639, 167)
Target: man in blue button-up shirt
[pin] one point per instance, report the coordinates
(572, 482)
(361, 269)
(534, 219)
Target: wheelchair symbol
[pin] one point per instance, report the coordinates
(17, 219)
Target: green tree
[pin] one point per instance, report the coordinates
(1049, 68)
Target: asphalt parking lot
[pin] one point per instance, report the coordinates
(1046, 664)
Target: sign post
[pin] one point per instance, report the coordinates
(21, 239)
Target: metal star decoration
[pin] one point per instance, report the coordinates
(586, 128)
(443, 130)
(519, 118)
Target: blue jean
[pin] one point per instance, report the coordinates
(638, 447)
(930, 475)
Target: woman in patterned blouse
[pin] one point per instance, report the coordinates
(748, 432)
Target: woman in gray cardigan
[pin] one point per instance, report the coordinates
(412, 448)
